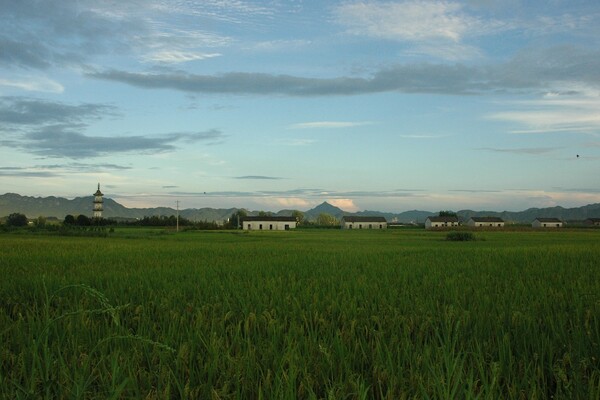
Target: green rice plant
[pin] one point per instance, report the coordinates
(303, 314)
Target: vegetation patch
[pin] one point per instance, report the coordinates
(313, 314)
(460, 236)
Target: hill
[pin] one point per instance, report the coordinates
(59, 207)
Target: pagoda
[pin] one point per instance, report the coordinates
(98, 203)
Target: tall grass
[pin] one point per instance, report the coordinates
(301, 315)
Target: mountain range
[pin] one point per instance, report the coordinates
(59, 207)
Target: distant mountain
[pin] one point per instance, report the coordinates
(565, 214)
(59, 207)
(324, 208)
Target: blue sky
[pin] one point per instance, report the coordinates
(369, 105)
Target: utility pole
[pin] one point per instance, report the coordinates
(177, 202)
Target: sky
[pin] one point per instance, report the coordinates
(270, 105)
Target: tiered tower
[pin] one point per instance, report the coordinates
(98, 206)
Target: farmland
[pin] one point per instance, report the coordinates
(300, 314)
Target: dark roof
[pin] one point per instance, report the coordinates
(353, 218)
(443, 219)
(270, 218)
(487, 219)
(548, 220)
(98, 192)
(593, 219)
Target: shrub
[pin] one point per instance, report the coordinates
(460, 236)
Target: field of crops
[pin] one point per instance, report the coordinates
(300, 314)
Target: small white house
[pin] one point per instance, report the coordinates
(486, 222)
(547, 223)
(363, 222)
(440, 222)
(268, 223)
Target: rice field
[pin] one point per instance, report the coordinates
(300, 315)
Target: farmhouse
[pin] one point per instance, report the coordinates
(354, 222)
(592, 222)
(486, 222)
(268, 223)
(440, 222)
(547, 223)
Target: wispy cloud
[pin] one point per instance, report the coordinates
(524, 150)
(64, 141)
(57, 170)
(328, 125)
(536, 71)
(572, 108)
(30, 111)
(425, 137)
(296, 142)
(436, 28)
(26, 173)
(258, 177)
(53, 129)
(33, 84)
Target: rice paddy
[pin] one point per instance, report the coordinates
(302, 314)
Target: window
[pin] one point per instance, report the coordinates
(271, 227)
(287, 227)
(350, 226)
(370, 226)
(360, 226)
(380, 226)
(260, 227)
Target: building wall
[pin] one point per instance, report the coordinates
(538, 224)
(433, 225)
(364, 225)
(268, 225)
(485, 224)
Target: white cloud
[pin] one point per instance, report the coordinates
(297, 142)
(288, 202)
(569, 109)
(328, 124)
(436, 27)
(177, 56)
(33, 84)
(344, 204)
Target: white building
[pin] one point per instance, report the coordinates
(360, 222)
(440, 222)
(547, 223)
(489, 222)
(268, 223)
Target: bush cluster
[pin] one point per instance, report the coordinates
(460, 236)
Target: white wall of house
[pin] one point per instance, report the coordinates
(268, 225)
(479, 224)
(435, 224)
(364, 225)
(539, 224)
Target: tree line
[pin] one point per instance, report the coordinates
(233, 222)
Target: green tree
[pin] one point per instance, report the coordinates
(325, 219)
(83, 220)
(299, 215)
(447, 213)
(236, 219)
(69, 220)
(40, 221)
(16, 219)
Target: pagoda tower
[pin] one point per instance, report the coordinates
(98, 203)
